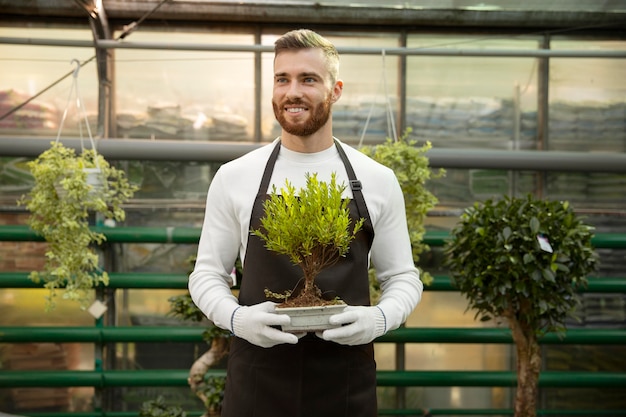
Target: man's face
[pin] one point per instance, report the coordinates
(303, 94)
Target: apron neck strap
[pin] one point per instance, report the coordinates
(355, 184)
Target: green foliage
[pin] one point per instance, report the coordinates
(310, 225)
(410, 165)
(497, 262)
(183, 307)
(213, 392)
(158, 408)
(61, 203)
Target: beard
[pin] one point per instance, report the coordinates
(318, 118)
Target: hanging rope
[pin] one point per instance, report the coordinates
(82, 112)
(391, 124)
(127, 31)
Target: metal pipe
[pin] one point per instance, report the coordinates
(70, 378)
(176, 378)
(191, 235)
(500, 336)
(543, 107)
(193, 334)
(179, 282)
(176, 150)
(571, 379)
(118, 334)
(258, 89)
(512, 53)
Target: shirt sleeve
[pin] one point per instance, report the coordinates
(392, 258)
(211, 281)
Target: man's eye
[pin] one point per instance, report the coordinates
(309, 80)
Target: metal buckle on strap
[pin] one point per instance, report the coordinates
(355, 185)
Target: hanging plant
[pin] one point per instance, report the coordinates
(410, 164)
(69, 190)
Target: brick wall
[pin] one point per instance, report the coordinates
(20, 256)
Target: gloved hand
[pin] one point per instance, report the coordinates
(359, 325)
(253, 323)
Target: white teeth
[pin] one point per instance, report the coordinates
(295, 110)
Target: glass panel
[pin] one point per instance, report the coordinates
(29, 70)
(472, 101)
(170, 183)
(588, 99)
(461, 187)
(422, 399)
(588, 114)
(193, 95)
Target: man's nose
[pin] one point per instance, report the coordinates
(294, 90)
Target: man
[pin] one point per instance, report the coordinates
(272, 373)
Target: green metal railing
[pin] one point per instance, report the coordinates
(171, 378)
(193, 334)
(191, 235)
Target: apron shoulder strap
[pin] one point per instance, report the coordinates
(269, 168)
(355, 184)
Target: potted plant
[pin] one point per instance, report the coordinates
(69, 190)
(410, 164)
(522, 260)
(209, 389)
(313, 228)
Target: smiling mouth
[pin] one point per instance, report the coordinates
(295, 109)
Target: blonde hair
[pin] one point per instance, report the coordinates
(305, 39)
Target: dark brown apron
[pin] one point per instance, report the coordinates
(313, 378)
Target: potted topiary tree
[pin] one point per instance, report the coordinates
(522, 260)
(313, 227)
(70, 189)
(411, 166)
(208, 388)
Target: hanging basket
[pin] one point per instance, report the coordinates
(94, 177)
(95, 180)
(62, 193)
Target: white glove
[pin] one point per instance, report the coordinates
(253, 323)
(359, 325)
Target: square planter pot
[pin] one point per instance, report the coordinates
(310, 319)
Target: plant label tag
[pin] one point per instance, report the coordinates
(544, 244)
(97, 309)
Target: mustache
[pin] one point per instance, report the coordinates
(293, 102)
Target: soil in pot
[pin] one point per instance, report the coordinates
(309, 311)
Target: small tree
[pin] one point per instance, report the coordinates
(522, 259)
(312, 226)
(207, 387)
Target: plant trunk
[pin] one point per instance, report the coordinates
(528, 368)
(219, 348)
(309, 281)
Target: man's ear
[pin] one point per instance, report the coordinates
(337, 90)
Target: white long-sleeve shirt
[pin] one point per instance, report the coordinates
(226, 227)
